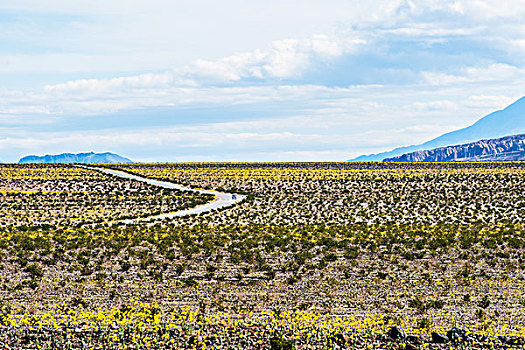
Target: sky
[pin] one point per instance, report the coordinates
(237, 80)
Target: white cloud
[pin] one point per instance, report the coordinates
(492, 72)
(489, 9)
(435, 105)
(488, 101)
(433, 30)
(282, 59)
(103, 85)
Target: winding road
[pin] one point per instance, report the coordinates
(221, 199)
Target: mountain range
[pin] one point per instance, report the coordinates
(501, 149)
(90, 157)
(509, 121)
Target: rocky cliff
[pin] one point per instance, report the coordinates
(501, 149)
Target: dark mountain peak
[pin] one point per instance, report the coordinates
(90, 157)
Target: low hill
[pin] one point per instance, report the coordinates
(501, 149)
(509, 121)
(90, 157)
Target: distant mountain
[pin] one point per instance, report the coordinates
(504, 148)
(90, 157)
(510, 121)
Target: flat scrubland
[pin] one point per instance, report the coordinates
(319, 256)
(67, 196)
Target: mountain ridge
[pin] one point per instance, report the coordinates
(90, 157)
(501, 123)
(508, 148)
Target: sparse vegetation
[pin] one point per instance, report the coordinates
(325, 254)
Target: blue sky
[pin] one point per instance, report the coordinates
(251, 80)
